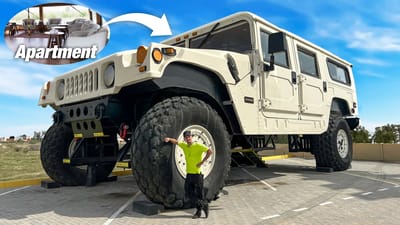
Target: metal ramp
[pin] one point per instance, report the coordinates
(246, 157)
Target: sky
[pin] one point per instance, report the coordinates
(365, 33)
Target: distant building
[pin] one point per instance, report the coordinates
(11, 139)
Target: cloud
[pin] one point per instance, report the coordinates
(5, 53)
(18, 83)
(370, 61)
(359, 25)
(370, 74)
(359, 33)
(375, 39)
(22, 79)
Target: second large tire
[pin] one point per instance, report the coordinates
(334, 148)
(54, 149)
(153, 160)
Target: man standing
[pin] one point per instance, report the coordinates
(194, 179)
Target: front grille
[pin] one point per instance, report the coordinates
(82, 83)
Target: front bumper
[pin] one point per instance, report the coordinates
(97, 118)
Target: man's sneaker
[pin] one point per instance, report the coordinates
(197, 214)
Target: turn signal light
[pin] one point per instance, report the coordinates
(169, 51)
(141, 54)
(142, 68)
(353, 110)
(157, 55)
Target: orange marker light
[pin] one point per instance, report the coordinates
(47, 87)
(141, 54)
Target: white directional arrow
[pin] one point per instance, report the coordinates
(159, 26)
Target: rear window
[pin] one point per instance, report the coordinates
(308, 62)
(338, 72)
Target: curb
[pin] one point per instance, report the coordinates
(276, 157)
(37, 181)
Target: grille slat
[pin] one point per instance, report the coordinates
(81, 84)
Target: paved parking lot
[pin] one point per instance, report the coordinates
(289, 191)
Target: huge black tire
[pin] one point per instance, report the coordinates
(334, 148)
(54, 149)
(154, 161)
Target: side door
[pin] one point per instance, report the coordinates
(312, 83)
(279, 89)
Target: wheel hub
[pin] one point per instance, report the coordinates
(342, 143)
(202, 136)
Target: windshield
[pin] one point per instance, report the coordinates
(234, 37)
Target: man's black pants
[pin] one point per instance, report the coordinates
(194, 190)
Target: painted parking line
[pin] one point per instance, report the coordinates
(270, 217)
(259, 179)
(383, 189)
(371, 178)
(299, 210)
(348, 198)
(8, 192)
(325, 203)
(122, 208)
(367, 193)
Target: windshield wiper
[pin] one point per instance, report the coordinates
(208, 35)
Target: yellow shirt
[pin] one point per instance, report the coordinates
(193, 155)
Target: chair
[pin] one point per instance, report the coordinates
(76, 24)
(12, 28)
(53, 22)
(41, 27)
(29, 25)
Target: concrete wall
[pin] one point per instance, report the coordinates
(367, 152)
(377, 152)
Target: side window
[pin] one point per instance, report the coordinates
(338, 72)
(281, 58)
(308, 62)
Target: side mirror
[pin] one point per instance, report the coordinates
(276, 43)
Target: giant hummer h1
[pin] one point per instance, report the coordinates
(235, 83)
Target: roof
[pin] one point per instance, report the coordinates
(253, 17)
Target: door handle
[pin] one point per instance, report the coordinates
(294, 77)
(324, 86)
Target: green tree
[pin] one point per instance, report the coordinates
(360, 135)
(386, 134)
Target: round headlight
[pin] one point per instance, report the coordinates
(60, 89)
(109, 75)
